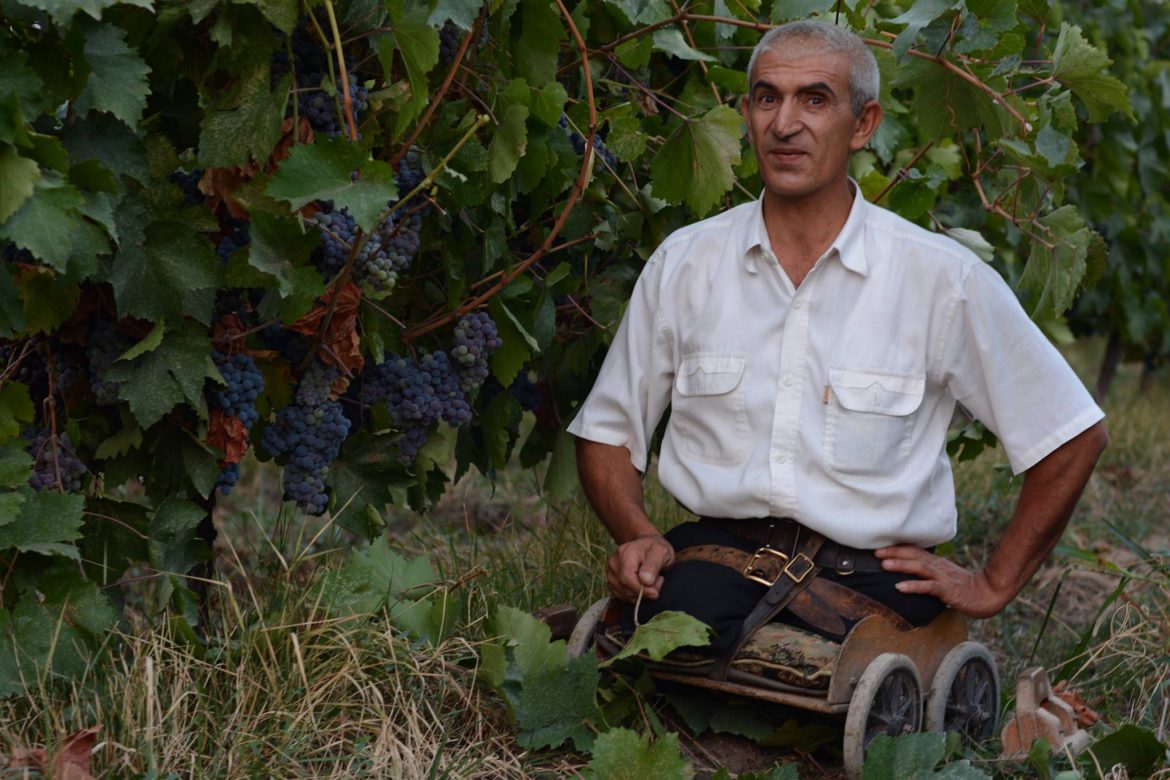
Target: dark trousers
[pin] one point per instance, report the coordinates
(722, 597)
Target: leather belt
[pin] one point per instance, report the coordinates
(782, 535)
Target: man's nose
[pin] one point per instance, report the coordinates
(787, 120)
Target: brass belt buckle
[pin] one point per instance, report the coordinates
(798, 568)
(754, 572)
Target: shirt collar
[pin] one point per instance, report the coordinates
(849, 243)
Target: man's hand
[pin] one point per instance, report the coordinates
(970, 592)
(637, 566)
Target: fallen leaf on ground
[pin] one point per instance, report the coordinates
(1085, 715)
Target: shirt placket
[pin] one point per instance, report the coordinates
(790, 391)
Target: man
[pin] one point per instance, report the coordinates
(812, 348)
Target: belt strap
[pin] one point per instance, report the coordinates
(765, 567)
(799, 570)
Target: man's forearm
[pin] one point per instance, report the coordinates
(614, 489)
(1050, 491)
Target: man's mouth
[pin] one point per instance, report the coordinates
(786, 155)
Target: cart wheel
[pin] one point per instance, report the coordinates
(582, 637)
(964, 695)
(887, 700)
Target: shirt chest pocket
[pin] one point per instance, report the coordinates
(707, 417)
(869, 421)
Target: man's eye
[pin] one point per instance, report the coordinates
(816, 100)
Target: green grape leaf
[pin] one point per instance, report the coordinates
(15, 408)
(18, 178)
(462, 12)
(561, 478)
(671, 41)
(15, 469)
(509, 143)
(695, 164)
(174, 547)
(621, 754)
(1137, 749)
(541, 31)
(21, 83)
(703, 712)
(551, 697)
(47, 524)
(626, 138)
(182, 463)
(119, 443)
(277, 248)
(916, 755)
(11, 312)
(324, 171)
(517, 346)
(1057, 260)
(947, 104)
(153, 276)
(548, 102)
(1081, 67)
(246, 125)
(418, 44)
(642, 11)
(362, 480)
(175, 373)
(62, 11)
(783, 10)
(282, 13)
(117, 81)
(45, 223)
(52, 630)
(48, 298)
(663, 634)
(558, 704)
(110, 141)
(919, 16)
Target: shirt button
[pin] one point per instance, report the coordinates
(781, 459)
(798, 304)
(788, 381)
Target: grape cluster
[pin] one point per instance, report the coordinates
(578, 142)
(311, 437)
(229, 475)
(188, 183)
(236, 233)
(476, 338)
(321, 106)
(53, 456)
(338, 232)
(417, 394)
(105, 346)
(292, 346)
(450, 38)
(244, 384)
(316, 384)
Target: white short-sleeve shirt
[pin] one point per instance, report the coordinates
(828, 403)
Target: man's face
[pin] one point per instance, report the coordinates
(800, 122)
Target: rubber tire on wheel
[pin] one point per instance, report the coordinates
(887, 700)
(582, 637)
(964, 694)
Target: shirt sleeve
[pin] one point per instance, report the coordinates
(1006, 373)
(633, 387)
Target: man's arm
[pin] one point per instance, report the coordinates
(1050, 491)
(614, 489)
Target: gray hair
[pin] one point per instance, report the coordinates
(799, 39)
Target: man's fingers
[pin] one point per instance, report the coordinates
(654, 562)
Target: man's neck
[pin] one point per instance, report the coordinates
(803, 229)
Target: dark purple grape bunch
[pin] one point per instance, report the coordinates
(451, 37)
(188, 184)
(243, 384)
(578, 141)
(105, 346)
(235, 234)
(316, 384)
(417, 394)
(338, 232)
(310, 437)
(388, 251)
(55, 462)
(476, 338)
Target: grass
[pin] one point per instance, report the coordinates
(280, 687)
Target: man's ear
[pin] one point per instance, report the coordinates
(866, 125)
(744, 105)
